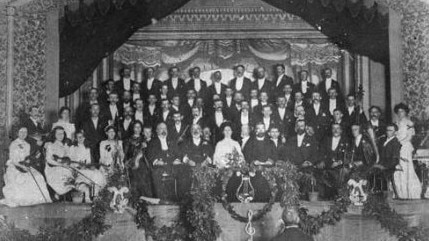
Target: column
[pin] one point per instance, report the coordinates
(395, 50)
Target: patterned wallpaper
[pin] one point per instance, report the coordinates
(3, 57)
(29, 63)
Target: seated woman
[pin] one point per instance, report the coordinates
(64, 122)
(226, 148)
(111, 152)
(140, 169)
(59, 172)
(87, 174)
(24, 185)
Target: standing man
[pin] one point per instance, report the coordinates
(125, 83)
(197, 84)
(241, 83)
(94, 131)
(304, 85)
(176, 85)
(217, 87)
(329, 83)
(261, 83)
(83, 111)
(281, 79)
(318, 117)
(150, 84)
(376, 123)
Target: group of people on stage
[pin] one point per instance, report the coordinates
(156, 131)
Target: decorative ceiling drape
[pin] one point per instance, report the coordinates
(93, 29)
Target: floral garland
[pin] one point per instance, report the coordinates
(284, 172)
(89, 227)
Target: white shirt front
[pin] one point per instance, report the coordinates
(127, 123)
(218, 87)
(281, 112)
(34, 121)
(279, 79)
(316, 107)
(113, 111)
(388, 140)
(244, 120)
(239, 83)
(304, 86)
(300, 139)
(136, 96)
(219, 118)
(244, 141)
(127, 84)
(139, 116)
(287, 97)
(127, 105)
(357, 140)
(261, 83)
(276, 142)
(95, 122)
(197, 84)
(332, 105)
(174, 82)
(191, 102)
(178, 126)
(164, 145)
(374, 122)
(335, 142)
(150, 83)
(328, 84)
(196, 141)
(196, 119)
(228, 101)
(254, 102)
(266, 122)
(350, 109)
(151, 109)
(165, 115)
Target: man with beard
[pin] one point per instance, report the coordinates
(113, 111)
(261, 83)
(136, 92)
(217, 119)
(217, 87)
(281, 80)
(126, 100)
(177, 128)
(197, 84)
(289, 98)
(197, 117)
(376, 123)
(163, 154)
(260, 151)
(125, 123)
(165, 115)
(83, 111)
(241, 83)
(125, 83)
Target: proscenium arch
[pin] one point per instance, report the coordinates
(84, 43)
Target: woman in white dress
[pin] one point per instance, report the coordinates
(111, 152)
(24, 185)
(64, 122)
(87, 175)
(59, 174)
(226, 147)
(406, 182)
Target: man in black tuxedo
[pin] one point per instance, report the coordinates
(176, 85)
(125, 83)
(150, 84)
(177, 128)
(261, 83)
(332, 102)
(260, 151)
(263, 101)
(267, 117)
(108, 87)
(301, 149)
(83, 111)
(152, 111)
(241, 83)
(94, 131)
(254, 100)
(217, 87)
(33, 122)
(334, 149)
(113, 111)
(136, 92)
(216, 119)
(197, 84)
(284, 116)
(166, 113)
(354, 113)
(125, 130)
(164, 156)
(243, 117)
(337, 118)
(126, 100)
(281, 80)
(197, 117)
(363, 152)
(318, 116)
(389, 150)
(328, 83)
(304, 85)
(277, 139)
(376, 123)
(289, 97)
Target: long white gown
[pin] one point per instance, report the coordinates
(405, 179)
(23, 188)
(109, 150)
(224, 148)
(59, 177)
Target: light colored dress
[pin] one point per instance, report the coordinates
(58, 175)
(69, 128)
(23, 188)
(91, 177)
(223, 148)
(109, 150)
(406, 181)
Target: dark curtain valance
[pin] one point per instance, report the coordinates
(91, 30)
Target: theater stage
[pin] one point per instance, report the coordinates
(353, 227)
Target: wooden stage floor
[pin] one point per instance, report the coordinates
(353, 227)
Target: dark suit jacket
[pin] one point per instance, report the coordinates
(245, 89)
(380, 130)
(174, 135)
(125, 133)
(168, 120)
(203, 90)
(259, 150)
(286, 121)
(119, 86)
(351, 118)
(310, 89)
(212, 91)
(293, 234)
(321, 87)
(154, 151)
(196, 153)
(267, 87)
(320, 122)
(94, 135)
(339, 104)
(216, 131)
(106, 114)
(297, 155)
(338, 154)
(151, 118)
(180, 88)
(156, 85)
(279, 87)
(389, 154)
(31, 127)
